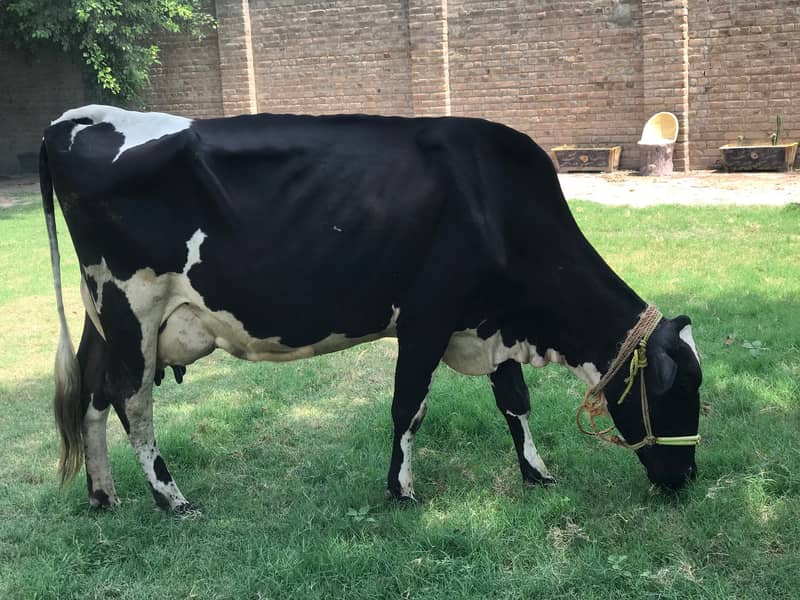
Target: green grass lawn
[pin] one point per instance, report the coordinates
(288, 461)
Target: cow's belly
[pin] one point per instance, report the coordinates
(187, 329)
(470, 354)
(191, 332)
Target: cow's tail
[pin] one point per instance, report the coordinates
(67, 400)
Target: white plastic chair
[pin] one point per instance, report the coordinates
(661, 128)
(657, 143)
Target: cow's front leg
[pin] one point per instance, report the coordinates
(416, 362)
(138, 410)
(513, 400)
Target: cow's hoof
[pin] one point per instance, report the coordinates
(400, 498)
(102, 501)
(533, 477)
(187, 511)
(544, 481)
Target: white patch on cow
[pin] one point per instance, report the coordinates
(686, 335)
(587, 373)
(468, 353)
(392, 326)
(335, 228)
(406, 477)
(192, 329)
(75, 130)
(91, 308)
(529, 448)
(193, 246)
(184, 338)
(101, 275)
(146, 453)
(137, 128)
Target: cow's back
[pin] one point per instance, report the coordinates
(310, 225)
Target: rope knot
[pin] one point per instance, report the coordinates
(638, 363)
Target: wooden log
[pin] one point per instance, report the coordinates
(759, 158)
(655, 159)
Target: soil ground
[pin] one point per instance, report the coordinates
(620, 188)
(694, 188)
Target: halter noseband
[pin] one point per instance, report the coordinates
(594, 403)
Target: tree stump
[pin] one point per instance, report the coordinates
(656, 159)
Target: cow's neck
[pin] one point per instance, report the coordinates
(586, 322)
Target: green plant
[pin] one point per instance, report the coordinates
(777, 133)
(755, 347)
(113, 38)
(360, 514)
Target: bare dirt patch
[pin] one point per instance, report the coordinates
(694, 188)
(619, 188)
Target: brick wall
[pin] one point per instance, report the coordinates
(331, 56)
(665, 67)
(33, 92)
(187, 81)
(565, 72)
(745, 70)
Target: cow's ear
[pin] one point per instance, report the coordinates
(662, 372)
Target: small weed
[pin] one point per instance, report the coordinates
(755, 347)
(359, 515)
(616, 562)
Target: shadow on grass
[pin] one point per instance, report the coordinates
(276, 474)
(297, 422)
(247, 437)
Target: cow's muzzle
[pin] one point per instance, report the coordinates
(673, 483)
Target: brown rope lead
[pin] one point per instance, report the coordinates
(642, 330)
(594, 401)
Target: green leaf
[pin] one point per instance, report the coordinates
(114, 37)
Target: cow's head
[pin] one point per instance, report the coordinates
(672, 379)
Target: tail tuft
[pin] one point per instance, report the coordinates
(67, 399)
(67, 408)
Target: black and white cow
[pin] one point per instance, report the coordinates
(278, 237)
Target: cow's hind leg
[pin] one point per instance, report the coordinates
(513, 400)
(417, 360)
(92, 360)
(129, 387)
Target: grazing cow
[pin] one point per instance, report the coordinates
(278, 237)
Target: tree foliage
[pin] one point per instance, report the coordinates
(116, 39)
